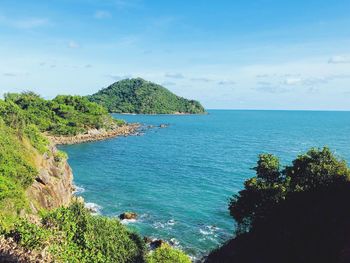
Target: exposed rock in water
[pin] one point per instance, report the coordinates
(128, 215)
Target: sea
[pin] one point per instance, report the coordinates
(179, 173)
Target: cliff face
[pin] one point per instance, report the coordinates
(53, 186)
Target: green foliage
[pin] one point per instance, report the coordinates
(167, 254)
(318, 167)
(298, 214)
(15, 158)
(88, 238)
(60, 156)
(72, 234)
(140, 96)
(29, 235)
(268, 168)
(36, 139)
(12, 115)
(64, 115)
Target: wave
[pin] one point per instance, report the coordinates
(95, 209)
(167, 224)
(128, 221)
(78, 190)
(209, 230)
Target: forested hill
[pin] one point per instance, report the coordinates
(141, 96)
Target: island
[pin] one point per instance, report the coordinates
(143, 97)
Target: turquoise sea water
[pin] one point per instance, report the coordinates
(179, 179)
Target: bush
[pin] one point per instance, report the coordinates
(88, 238)
(29, 235)
(36, 139)
(15, 158)
(167, 254)
(60, 156)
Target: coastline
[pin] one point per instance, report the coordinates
(95, 135)
(175, 113)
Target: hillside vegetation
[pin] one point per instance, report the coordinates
(64, 115)
(63, 234)
(299, 213)
(140, 96)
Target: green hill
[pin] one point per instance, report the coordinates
(141, 96)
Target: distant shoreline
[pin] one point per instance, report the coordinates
(175, 114)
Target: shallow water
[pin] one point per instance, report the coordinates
(179, 179)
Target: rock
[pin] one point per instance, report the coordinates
(157, 243)
(147, 240)
(53, 186)
(128, 215)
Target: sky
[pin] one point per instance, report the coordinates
(228, 54)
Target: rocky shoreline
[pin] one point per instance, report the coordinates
(96, 135)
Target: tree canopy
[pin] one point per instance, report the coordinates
(64, 115)
(298, 213)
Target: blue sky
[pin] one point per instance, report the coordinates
(258, 54)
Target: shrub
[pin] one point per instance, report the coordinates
(88, 238)
(29, 235)
(167, 254)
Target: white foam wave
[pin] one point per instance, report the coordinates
(95, 209)
(167, 224)
(128, 221)
(209, 230)
(78, 190)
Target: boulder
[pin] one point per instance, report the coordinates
(128, 215)
(157, 243)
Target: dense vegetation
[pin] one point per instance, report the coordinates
(296, 214)
(19, 144)
(166, 254)
(140, 96)
(64, 115)
(74, 235)
(69, 234)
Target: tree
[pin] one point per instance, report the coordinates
(298, 214)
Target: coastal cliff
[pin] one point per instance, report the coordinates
(53, 187)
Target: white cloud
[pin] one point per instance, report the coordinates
(24, 23)
(73, 44)
(339, 60)
(101, 14)
(174, 75)
(293, 81)
(226, 82)
(9, 74)
(168, 83)
(119, 77)
(202, 79)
